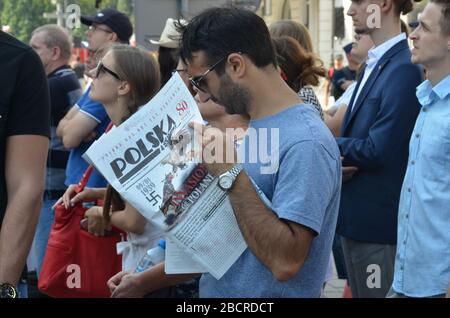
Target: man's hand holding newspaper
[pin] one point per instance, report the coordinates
(224, 156)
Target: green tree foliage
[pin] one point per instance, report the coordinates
(126, 6)
(24, 16)
(1, 9)
(88, 8)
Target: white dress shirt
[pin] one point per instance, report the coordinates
(374, 56)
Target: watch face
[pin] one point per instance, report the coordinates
(7, 291)
(225, 182)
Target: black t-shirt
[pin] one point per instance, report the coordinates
(24, 99)
(65, 91)
(339, 78)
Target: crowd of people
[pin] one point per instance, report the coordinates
(362, 184)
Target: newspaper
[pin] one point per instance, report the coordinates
(211, 233)
(180, 262)
(148, 160)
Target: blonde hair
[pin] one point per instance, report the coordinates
(56, 36)
(140, 69)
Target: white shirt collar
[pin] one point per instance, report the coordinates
(376, 53)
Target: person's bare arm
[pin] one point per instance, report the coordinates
(63, 122)
(334, 123)
(26, 157)
(129, 220)
(346, 84)
(271, 239)
(127, 285)
(70, 197)
(75, 128)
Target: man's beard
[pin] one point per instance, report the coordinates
(233, 97)
(361, 30)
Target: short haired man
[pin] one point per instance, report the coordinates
(344, 77)
(87, 120)
(53, 45)
(304, 197)
(108, 25)
(375, 134)
(337, 65)
(24, 141)
(422, 263)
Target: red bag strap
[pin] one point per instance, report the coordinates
(87, 174)
(84, 179)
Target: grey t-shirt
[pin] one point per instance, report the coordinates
(304, 189)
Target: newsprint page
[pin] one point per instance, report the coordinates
(149, 160)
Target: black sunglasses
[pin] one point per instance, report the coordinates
(102, 69)
(197, 81)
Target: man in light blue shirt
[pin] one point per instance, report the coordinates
(304, 190)
(230, 58)
(422, 264)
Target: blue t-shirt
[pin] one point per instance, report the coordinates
(76, 165)
(304, 189)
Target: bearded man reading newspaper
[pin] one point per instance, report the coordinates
(231, 60)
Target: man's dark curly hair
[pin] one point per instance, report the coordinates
(222, 31)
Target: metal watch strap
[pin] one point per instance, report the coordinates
(236, 170)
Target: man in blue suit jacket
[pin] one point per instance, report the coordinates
(374, 146)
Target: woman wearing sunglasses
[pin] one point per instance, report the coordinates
(125, 79)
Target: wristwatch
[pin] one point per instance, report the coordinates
(227, 179)
(8, 291)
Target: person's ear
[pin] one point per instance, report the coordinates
(386, 5)
(56, 53)
(124, 89)
(237, 65)
(114, 37)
